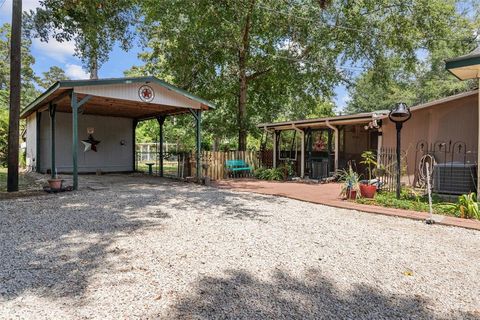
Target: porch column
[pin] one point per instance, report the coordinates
(161, 121)
(336, 137)
(38, 142)
(75, 106)
(134, 144)
(275, 134)
(379, 145)
(52, 108)
(197, 114)
(302, 151)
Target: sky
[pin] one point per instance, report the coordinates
(53, 53)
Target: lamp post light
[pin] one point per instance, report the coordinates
(399, 114)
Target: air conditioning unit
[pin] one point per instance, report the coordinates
(454, 178)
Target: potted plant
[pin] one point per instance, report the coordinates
(350, 187)
(368, 190)
(55, 183)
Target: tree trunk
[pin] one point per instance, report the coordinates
(243, 83)
(94, 69)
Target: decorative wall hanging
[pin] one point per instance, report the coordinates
(146, 93)
(90, 144)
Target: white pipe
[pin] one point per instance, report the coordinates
(335, 129)
(302, 151)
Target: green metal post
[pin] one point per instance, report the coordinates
(198, 128)
(134, 144)
(74, 105)
(161, 121)
(38, 142)
(52, 110)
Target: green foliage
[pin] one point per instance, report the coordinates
(3, 136)
(269, 174)
(350, 179)
(94, 25)
(28, 91)
(51, 76)
(369, 160)
(395, 79)
(467, 206)
(410, 200)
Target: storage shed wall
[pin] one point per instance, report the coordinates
(448, 122)
(112, 156)
(31, 149)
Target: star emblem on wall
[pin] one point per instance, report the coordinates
(90, 144)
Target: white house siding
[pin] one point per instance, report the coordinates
(31, 150)
(112, 156)
(129, 91)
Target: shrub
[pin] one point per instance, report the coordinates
(269, 174)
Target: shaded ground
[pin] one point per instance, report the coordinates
(138, 247)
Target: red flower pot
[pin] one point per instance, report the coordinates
(368, 191)
(351, 194)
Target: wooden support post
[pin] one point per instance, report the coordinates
(38, 142)
(75, 106)
(15, 88)
(199, 143)
(161, 121)
(302, 151)
(275, 135)
(52, 110)
(134, 144)
(336, 137)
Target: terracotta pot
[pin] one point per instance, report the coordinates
(351, 194)
(55, 184)
(368, 191)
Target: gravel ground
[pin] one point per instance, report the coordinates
(139, 247)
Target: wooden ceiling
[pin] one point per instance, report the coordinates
(105, 106)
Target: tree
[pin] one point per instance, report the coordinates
(51, 76)
(28, 91)
(94, 25)
(260, 59)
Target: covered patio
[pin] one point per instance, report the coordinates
(112, 107)
(321, 146)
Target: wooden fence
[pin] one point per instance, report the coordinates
(213, 162)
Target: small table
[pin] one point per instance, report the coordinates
(150, 165)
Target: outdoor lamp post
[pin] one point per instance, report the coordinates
(399, 114)
(464, 68)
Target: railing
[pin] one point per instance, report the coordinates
(387, 160)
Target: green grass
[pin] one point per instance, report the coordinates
(168, 168)
(409, 200)
(24, 181)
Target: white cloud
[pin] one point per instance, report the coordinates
(58, 51)
(27, 5)
(74, 71)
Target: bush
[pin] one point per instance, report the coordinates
(269, 174)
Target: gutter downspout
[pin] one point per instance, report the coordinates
(302, 151)
(335, 130)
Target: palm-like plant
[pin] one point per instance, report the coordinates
(369, 160)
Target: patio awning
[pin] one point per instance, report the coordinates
(323, 122)
(465, 67)
(121, 97)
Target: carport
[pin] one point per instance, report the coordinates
(103, 101)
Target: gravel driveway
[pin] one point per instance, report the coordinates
(151, 248)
